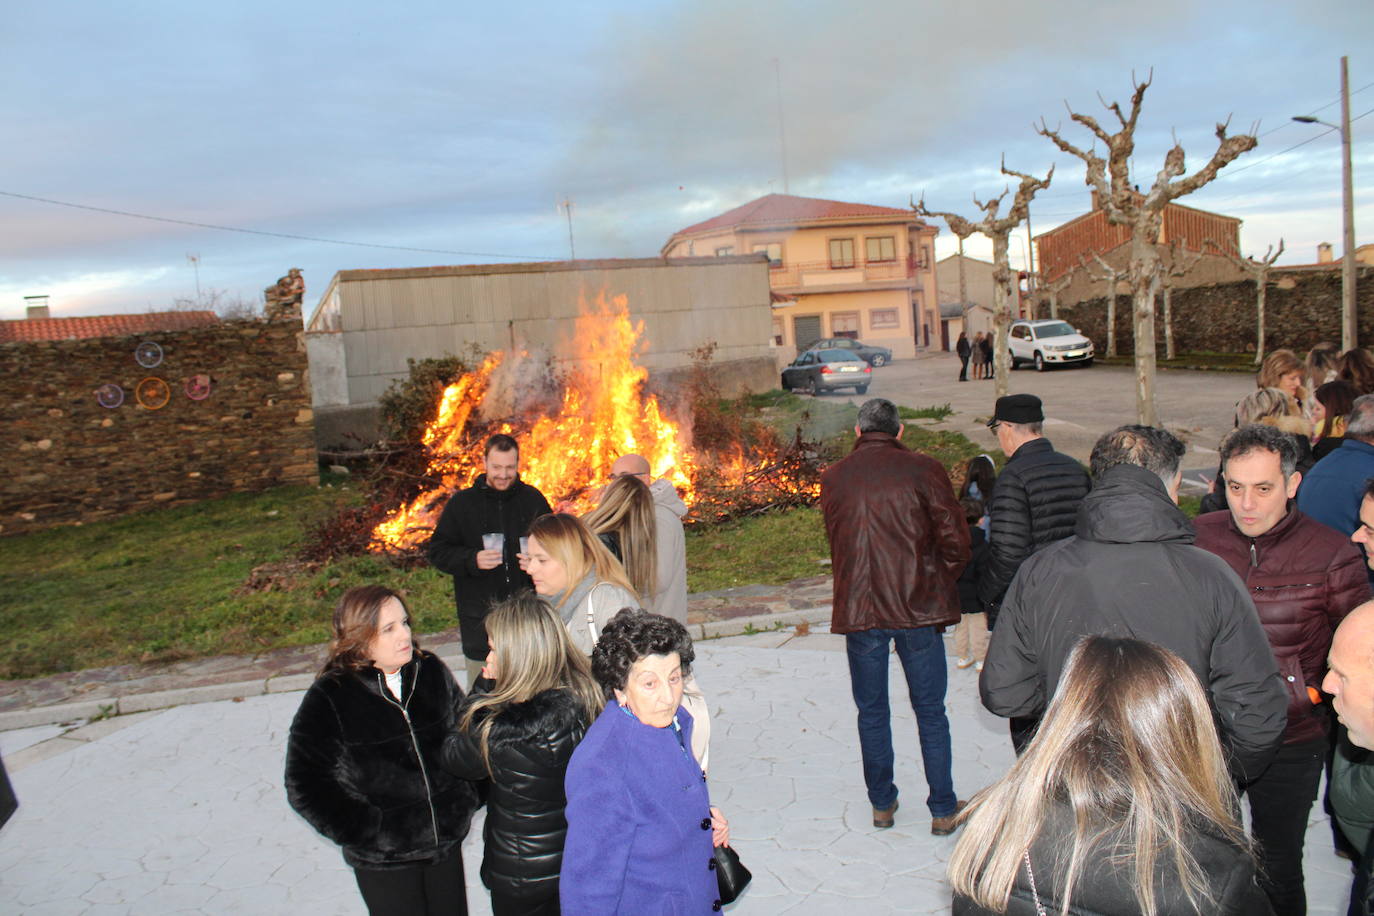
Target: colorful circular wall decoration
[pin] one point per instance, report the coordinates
(109, 395)
(152, 393)
(148, 354)
(198, 387)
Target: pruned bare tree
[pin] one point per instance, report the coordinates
(998, 229)
(1256, 269)
(1112, 276)
(1055, 288)
(1179, 262)
(1143, 212)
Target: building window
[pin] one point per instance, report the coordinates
(883, 318)
(845, 324)
(725, 250)
(841, 253)
(774, 252)
(882, 248)
(777, 331)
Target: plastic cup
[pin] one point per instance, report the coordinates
(493, 541)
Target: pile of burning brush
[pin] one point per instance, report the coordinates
(573, 416)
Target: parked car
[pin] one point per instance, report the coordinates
(816, 371)
(874, 356)
(1048, 342)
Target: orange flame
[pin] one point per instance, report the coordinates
(603, 414)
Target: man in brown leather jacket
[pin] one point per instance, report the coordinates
(898, 542)
(1304, 578)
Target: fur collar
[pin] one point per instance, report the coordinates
(543, 716)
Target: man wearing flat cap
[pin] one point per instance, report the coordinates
(1034, 503)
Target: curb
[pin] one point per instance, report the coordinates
(452, 655)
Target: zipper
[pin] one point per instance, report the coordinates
(424, 774)
(1254, 555)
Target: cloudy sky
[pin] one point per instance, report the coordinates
(426, 125)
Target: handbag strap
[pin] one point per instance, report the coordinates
(1039, 907)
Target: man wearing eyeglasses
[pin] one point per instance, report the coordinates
(1034, 503)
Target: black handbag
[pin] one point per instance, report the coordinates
(731, 875)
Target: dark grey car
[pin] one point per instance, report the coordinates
(874, 356)
(816, 371)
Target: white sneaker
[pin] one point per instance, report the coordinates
(978, 666)
(963, 662)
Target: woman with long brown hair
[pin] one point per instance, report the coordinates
(519, 727)
(1121, 804)
(363, 760)
(624, 521)
(1356, 366)
(1283, 370)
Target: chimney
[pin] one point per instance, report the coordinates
(37, 306)
(1324, 253)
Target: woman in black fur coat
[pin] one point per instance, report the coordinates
(363, 762)
(519, 727)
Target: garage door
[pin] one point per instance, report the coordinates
(806, 330)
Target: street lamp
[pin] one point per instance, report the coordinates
(1349, 328)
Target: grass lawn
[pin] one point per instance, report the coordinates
(1218, 362)
(167, 585)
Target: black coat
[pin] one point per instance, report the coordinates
(1131, 570)
(968, 579)
(366, 771)
(457, 538)
(1034, 503)
(530, 745)
(1106, 889)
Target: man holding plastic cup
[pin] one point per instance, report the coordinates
(476, 542)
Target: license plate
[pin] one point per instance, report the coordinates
(849, 369)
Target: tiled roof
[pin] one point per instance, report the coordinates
(103, 325)
(785, 208)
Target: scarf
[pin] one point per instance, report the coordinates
(566, 606)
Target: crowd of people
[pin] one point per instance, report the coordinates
(1156, 671)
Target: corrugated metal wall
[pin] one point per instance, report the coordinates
(388, 319)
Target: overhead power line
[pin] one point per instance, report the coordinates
(278, 235)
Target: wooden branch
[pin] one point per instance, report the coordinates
(960, 226)
(1228, 149)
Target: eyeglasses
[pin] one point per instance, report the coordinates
(993, 424)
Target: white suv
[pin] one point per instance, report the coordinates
(1048, 342)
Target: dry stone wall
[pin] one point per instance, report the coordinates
(1302, 309)
(230, 412)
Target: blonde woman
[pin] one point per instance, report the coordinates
(626, 524)
(577, 575)
(519, 727)
(1283, 370)
(1121, 804)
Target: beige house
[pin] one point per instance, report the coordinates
(978, 286)
(835, 269)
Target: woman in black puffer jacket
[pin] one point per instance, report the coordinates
(363, 760)
(525, 716)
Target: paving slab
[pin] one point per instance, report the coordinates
(182, 810)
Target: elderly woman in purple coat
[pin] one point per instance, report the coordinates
(641, 829)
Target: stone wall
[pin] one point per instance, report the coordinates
(67, 459)
(1303, 307)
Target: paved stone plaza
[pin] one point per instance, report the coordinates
(182, 810)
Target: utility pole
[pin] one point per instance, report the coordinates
(782, 131)
(567, 205)
(963, 287)
(1030, 256)
(195, 264)
(1350, 331)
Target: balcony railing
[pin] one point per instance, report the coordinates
(803, 274)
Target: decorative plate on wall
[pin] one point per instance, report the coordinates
(152, 393)
(148, 354)
(109, 395)
(198, 387)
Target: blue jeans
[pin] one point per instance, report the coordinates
(923, 659)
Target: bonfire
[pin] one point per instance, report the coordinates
(574, 413)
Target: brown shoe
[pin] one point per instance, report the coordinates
(940, 826)
(883, 817)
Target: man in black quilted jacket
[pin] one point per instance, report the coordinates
(1035, 500)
